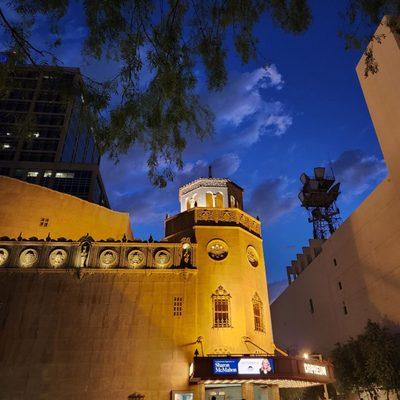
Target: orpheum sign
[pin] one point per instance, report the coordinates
(282, 370)
(315, 369)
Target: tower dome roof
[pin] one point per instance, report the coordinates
(206, 182)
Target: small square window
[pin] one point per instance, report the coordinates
(44, 222)
(178, 306)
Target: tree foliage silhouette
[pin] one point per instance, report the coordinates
(157, 45)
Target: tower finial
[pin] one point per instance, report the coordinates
(209, 171)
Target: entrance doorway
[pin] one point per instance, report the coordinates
(224, 392)
(234, 392)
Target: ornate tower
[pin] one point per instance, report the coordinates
(211, 192)
(232, 315)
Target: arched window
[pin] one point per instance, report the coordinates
(209, 200)
(221, 308)
(233, 201)
(193, 202)
(219, 200)
(187, 204)
(258, 313)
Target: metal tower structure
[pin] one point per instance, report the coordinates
(318, 196)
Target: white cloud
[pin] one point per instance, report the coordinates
(241, 107)
(272, 199)
(357, 172)
(275, 77)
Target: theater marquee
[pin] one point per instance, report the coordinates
(284, 371)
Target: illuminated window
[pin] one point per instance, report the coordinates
(258, 313)
(44, 222)
(209, 200)
(6, 146)
(221, 308)
(32, 174)
(219, 200)
(311, 306)
(178, 306)
(47, 174)
(64, 175)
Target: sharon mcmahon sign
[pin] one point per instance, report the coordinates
(243, 366)
(225, 366)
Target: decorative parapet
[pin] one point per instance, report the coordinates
(212, 216)
(304, 259)
(87, 253)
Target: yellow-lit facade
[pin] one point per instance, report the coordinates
(109, 319)
(34, 211)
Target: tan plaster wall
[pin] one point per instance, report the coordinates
(24, 204)
(113, 333)
(102, 337)
(241, 281)
(366, 246)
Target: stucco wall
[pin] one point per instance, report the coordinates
(366, 246)
(23, 205)
(102, 337)
(104, 334)
(367, 252)
(242, 281)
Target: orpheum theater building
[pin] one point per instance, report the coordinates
(88, 312)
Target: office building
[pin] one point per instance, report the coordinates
(44, 138)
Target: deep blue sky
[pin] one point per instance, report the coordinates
(306, 109)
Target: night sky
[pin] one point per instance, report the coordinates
(306, 109)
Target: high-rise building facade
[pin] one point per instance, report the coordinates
(43, 137)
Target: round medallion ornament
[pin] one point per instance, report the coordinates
(252, 256)
(4, 254)
(217, 249)
(108, 258)
(28, 258)
(58, 258)
(136, 259)
(162, 258)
